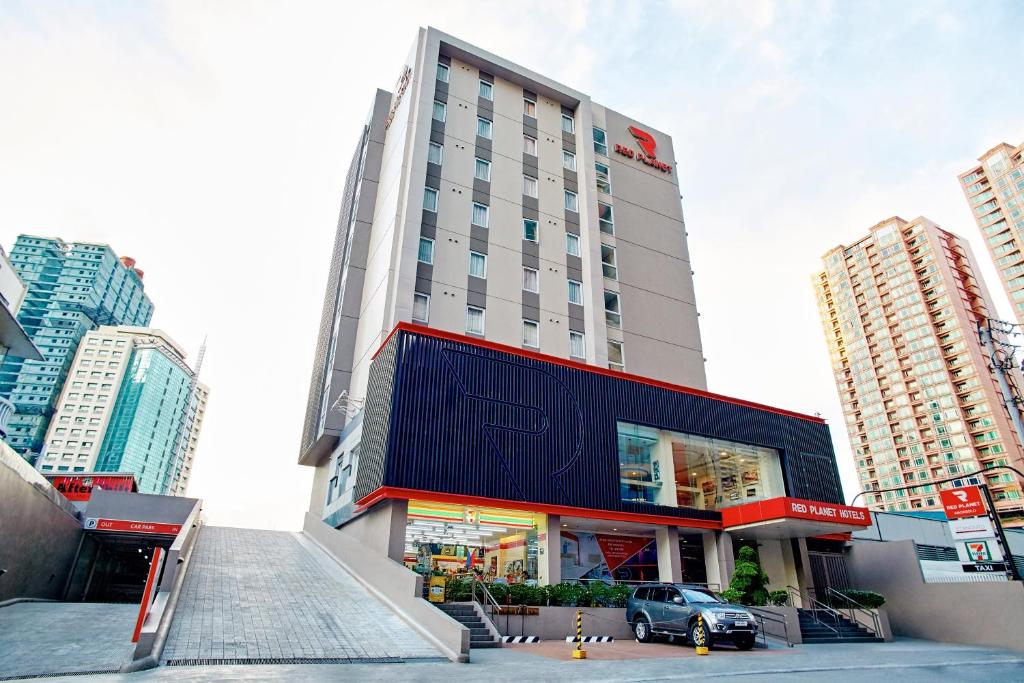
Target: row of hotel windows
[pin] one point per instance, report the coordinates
(486, 91)
(475, 324)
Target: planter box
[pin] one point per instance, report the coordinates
(557, 623)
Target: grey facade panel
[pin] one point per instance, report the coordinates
(568, 111)
(569, 142)
(530, 261)
(481, 197)
(444, 59)
(424, 286)
(532, 213)
(478, 245)
(431, 180)
(576, 312)
(434, 170)
(530, 203)
(428, 230)
(530, 165)
(429, 218)
(483, 143)
(485, 107)
(573, 228)
(573, 263)
(529, 126)
(441, 91)
(424, 271)
(569, 175)
(576, 325)
(484, 76)
(574, 273)
(530, 249)
(531, 300)
(571, 185)
(531, 312)
(437, 136)
(481, 186)
(571, 217)
(477, 284)
(478, 299)
(437, 126)
(478, 234)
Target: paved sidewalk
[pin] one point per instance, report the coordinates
(254, 594)
(906, 661)
(62, 637)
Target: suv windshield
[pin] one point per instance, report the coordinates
(699, 596)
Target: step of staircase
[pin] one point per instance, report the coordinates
(479, 635)
(832, 629)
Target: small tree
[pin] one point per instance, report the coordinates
(749, 584)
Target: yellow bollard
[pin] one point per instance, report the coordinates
(579, 652)
(701, 640)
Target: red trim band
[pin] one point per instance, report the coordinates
(459, 499)
(554, 360)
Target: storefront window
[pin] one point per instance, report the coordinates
(684, 470)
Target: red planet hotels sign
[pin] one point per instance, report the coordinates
(647, 144)
(962, 502)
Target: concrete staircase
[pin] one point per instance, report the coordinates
(479, 635)
(832, 628)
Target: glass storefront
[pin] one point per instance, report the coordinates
(683, 470)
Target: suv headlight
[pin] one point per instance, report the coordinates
(710, 617)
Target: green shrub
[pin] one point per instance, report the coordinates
(732, 595)
(458, 589)
(748, 579)
(868, 599)
(778, 598)
(568, 595)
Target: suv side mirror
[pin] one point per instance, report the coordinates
(679, 600)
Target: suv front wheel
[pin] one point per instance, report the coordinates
(642, 630)
(708, 640)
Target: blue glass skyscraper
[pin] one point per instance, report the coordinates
(71, 288)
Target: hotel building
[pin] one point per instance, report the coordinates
(900, 309)
(509, 374)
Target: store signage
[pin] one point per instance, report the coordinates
(618, 549)
(963, 502)
(827, 512)
(124, 525)
(79, 488)
(647, 153)
(986, 567)
(400, 87)
(971, 527)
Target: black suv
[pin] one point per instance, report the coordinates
(672, 609)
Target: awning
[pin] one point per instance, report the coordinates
(793, 518)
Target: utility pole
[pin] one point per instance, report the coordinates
(1000, 361)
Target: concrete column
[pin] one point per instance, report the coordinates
(670, 564)
(396, 537)
(549, 552)
(711, 559)
(726, 558)
(803, 566)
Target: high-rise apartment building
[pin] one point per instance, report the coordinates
(900, 309)
(488, 200)
(128, 406)
(71, 288)
(995, 192)
(14, 341)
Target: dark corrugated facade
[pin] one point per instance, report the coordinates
(479, 421)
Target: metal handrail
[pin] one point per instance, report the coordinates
(856, 606)
(816, 606)
(762, 617)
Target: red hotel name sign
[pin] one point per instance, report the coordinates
(794, 508)
(648, 145)
(962, 502)
(125, 525)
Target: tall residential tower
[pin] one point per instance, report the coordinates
(128, 406)
(71, 288)
(995, 192)
(900, 309)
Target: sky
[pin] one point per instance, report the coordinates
(209, 141)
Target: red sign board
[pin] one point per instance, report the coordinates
(618, 549)
(648, 150)
(794, 508)
(965, 501)
(124, 525)
(79, 487)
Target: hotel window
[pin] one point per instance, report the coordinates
(531, 333)
(608, 267)
(483, 127)
(575, 292)
(529, 230)
(684, 470)
(604, 180)
(568, 160)
(531, 280)
(616, 359)
(421, 307)
(529, 186)
(474, 320)
(600, 142)
(430, 199)
(529, 107)
(612, 309)
(426, 252)
(605, 219)
(577, 345)
(482, 170)
(572, 244)
(435, 153)
(481, 214)
(567, 124)
(442, 72)
(529, 145)
(572, 202)
(440, 111)
(486, 90)
(477, 264)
